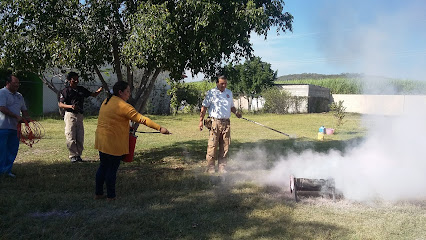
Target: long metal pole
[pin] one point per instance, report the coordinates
(265, 126)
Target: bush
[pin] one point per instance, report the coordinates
(338, 112)
(276, 101)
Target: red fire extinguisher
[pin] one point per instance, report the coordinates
(132, 145)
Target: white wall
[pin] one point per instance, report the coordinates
(380, 104)
(366, 104)
(50, 100)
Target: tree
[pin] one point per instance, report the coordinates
(138, 38)
(181, 93)
(250, 78)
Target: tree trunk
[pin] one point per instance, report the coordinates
(130, 77)
(49, 84)
(117, 63)
(101, 78)
(146, 91)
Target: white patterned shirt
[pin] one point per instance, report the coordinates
(219, 103)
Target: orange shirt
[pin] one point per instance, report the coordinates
(112, 133)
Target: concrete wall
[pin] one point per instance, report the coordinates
(364, 104)
(243, 103)
(381, 104)
(50, 100)
(312, 99)
(305, 90)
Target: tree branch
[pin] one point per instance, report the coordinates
(130, 77)
(104, 84)
(117, 63)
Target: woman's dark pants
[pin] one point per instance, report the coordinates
(107, 173)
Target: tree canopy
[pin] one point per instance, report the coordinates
(250, 77)
(139, 39)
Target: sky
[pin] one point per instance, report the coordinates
(381, 38)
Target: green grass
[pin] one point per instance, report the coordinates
(165, 194)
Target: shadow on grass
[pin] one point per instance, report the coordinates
(285, 146)
(155, 201)
(190, 151)
(194, 151)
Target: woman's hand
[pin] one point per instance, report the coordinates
(164, 130)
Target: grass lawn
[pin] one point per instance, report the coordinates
(165, 194)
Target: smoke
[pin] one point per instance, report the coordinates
(390, 164)
(381, 38)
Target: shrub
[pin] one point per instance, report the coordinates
(276, 101)
(338, 112)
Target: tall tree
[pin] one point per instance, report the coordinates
(138, 38)
(250, 77)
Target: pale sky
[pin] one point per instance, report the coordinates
(378, 37)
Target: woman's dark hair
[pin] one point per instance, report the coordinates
(118, 86)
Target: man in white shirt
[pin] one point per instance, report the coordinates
(12, 104)
(220, 104)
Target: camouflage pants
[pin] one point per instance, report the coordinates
(220, 136)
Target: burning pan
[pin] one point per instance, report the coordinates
(312, 187)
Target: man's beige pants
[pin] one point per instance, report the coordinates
(220, 136)
(74, 133)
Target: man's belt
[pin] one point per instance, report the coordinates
(75, 112)
(208, 121)
(220, 119)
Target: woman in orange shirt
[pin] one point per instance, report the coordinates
(112, 136)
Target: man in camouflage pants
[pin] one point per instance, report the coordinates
(220, 104)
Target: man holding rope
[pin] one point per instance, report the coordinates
(11, 105)
(220, 104)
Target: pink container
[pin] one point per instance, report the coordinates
(329, 131)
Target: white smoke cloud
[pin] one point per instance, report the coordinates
(391, 43)
(390, 164)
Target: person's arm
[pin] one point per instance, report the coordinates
(94, 94)
(238, 114)
(148, 122)
(66, 106)
(133, 115)
(62, 101)
(202, 114)
(9, 113)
